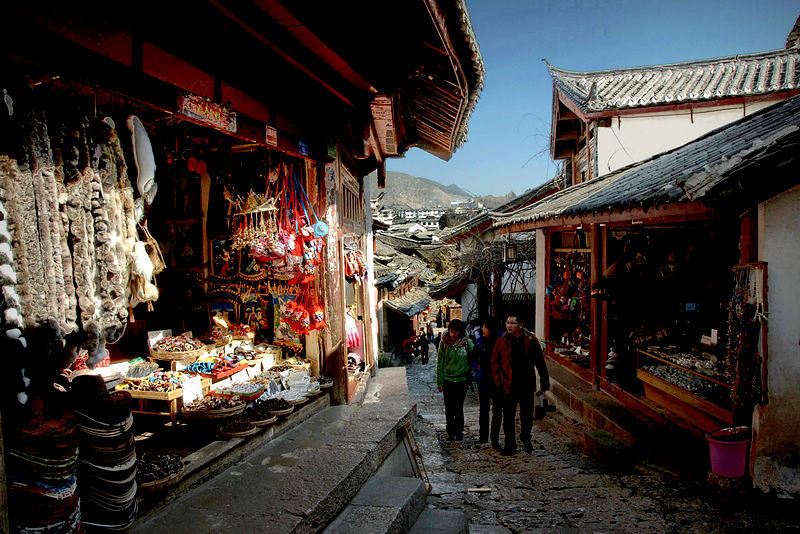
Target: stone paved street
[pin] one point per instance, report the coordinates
(559, 489)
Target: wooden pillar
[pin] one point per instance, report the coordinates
(483, 298)
(497, 293)
(595, 310)
(603, 303)
(4, 525)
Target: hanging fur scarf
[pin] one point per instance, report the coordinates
(111, 288)
(21, 206)
(82, 236)
(10, 315)
(71, 303)
(49, 224)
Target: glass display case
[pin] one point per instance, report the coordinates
(690, 384)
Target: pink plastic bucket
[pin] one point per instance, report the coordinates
(728, 449)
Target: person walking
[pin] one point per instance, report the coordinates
(516, 360)
(488, 394)
(453, 376)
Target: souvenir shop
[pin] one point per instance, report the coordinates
(158, 274)
(359, 357)
(649, 308)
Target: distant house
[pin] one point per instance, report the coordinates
(605, 120)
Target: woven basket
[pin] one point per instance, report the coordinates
(298, 402)
(266, 422)
(287, 411)
(213, 414)
(187, 356)
(326, 386)
(163, 483)
(240, 434)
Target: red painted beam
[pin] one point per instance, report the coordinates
(307, 38)
(283, 55)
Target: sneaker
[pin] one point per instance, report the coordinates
(527, 445)
(508, 452)
(459, 439)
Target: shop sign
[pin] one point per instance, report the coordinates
(272, 137)
(204, 110)
(383, 119)
(302, 148)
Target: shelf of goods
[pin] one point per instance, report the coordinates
(699, 398)
(219, 375)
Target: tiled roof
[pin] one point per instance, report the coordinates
(411, 303)
(675, 83)
(445, 287)
(687, 173)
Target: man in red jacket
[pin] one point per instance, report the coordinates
(516, 359)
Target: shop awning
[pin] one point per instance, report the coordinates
(746, 161)
(411, 303)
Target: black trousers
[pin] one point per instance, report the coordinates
(454, 394)
(525, 401)
(490, 396)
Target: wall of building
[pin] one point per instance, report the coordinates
(469, 302)
(520, 282)
(632, 138)
(777, 425)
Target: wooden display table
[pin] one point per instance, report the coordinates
(172, 398)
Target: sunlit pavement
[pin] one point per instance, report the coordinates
(559, 489)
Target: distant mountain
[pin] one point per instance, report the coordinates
(406, 191)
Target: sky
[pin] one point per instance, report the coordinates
(507, 147)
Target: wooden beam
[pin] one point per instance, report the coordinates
(567, 115)
(738, 101)
(307, 38)
(670, 213)
(283, 55)
(568, 135)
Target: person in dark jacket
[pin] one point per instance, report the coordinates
(516, 360)
(488, 394)
(453, 376)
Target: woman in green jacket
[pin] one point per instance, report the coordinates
(452, 376)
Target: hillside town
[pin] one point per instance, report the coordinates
(224, 310)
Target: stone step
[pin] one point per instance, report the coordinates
(638, 433)
(383, 505)
(433, 521)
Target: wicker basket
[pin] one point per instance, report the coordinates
(287, 411)
(163, 483)
(183, 356)
(326, 386)
(247, 337)
(240, 434)
(266, 422)
(213, 414)
(298, 402)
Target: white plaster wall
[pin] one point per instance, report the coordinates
(637, 137)
(469, 302)
(777, 446)
(541, 283)
(371, 304)
(512, 283)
